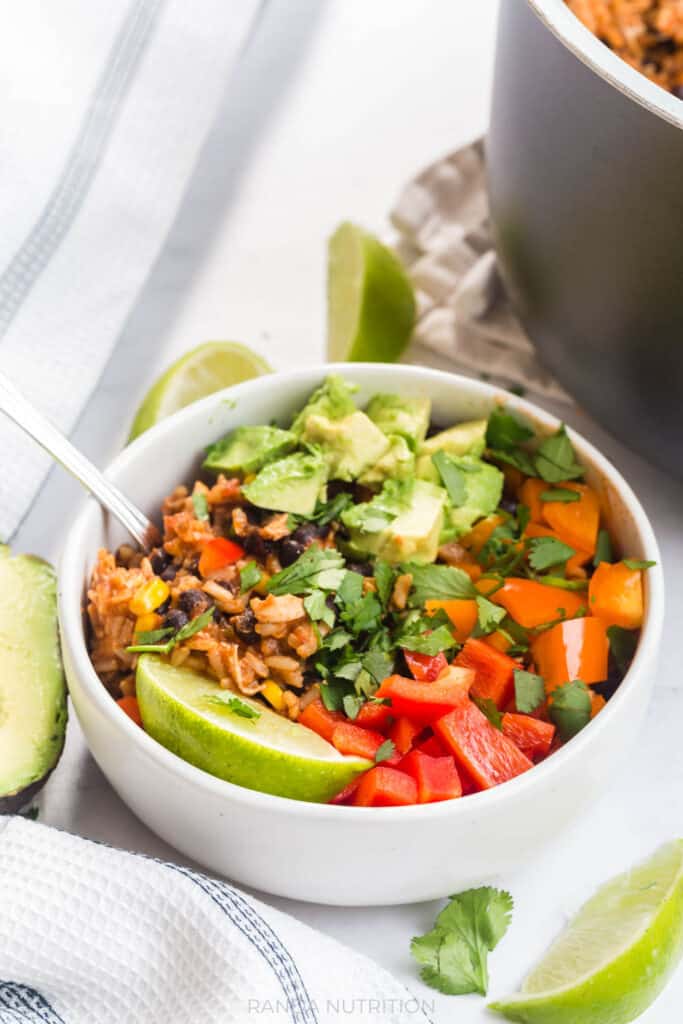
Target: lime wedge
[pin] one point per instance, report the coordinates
(615, 956)
(200, 372)
(370, 301)
(190, 715)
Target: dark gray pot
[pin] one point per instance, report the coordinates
(585, 164)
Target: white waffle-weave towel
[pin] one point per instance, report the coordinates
(92, 935)
(104, 108)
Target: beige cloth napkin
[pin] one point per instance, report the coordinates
(445, 241)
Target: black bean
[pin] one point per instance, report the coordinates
(159, 560)
(244, 626)
(169, 573)
(175, 619)
(509, 505)
(364, 568)
(290, 550)
(308, 532)
(255, 545)
(162, 608)
(194, 602)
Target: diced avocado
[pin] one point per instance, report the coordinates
(333, 400)
(397, 462)
(248, 449)
(464, 439)
(350, 445)
(483, 486)
(408, 417)
(32, 688)
(402, 523)
(292, 484)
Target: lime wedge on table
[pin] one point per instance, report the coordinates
(370, 301)
(200, 372)
(189, 714)
(616, 955)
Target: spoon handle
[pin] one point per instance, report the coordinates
(18, 409)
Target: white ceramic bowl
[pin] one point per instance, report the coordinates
(329, 854)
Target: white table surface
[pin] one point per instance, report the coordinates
(334, 109)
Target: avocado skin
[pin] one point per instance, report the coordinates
(32, 585)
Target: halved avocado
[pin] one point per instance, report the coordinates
(32, 687)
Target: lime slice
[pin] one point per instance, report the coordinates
(616, 955)
(200, 372)
(370, 301)
(189, 714)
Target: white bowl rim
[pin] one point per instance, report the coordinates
(71, 585)
(596, 55)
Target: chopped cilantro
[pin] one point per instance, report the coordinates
(570, 708)
(505, 431)
(153, 636)
(555, 459)
(432, 643)
(325, 511)
(489, 615)
(489, 708)
(454, 954)
(438, 582)
(352, 704)
(316, 569)
(547, 551)
(188, 630)
(317, 608)
(636, 563)
(385, 577)
(332, 696)
(622, 644)
(603, 548)
(250, 575)
(517, 457)
(385, 751)
(364, 616)
(452, 477)
(379, 664)
(200, 505)
(523, 518)
(351, 588)
(560, 494)
(529, 691)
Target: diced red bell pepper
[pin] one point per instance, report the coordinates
(374, 715)
(315, 716)
(432, 746)
(218, 553)
(352, 739)
(493, 671)
(346, 795)
(436, 777)
(385, 787)
(533, 737)
(425, 666)
(403, 733)
(488, 755)
(426, 702)
(131, 707)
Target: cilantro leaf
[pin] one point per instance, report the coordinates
(555, 459)
(351, 588)
(379, 664)
(622, 644)
(336, 640)
(570, 708)
(316, 569)
(547, 551)
(188, 630)
(560, 494)
(488, 615)
(250, 575)
(352, 704)
(523, 518)
(200, 505)
(364, 616)
(385, 577)
(438, 582)
(332, 696)
(603, 548)
(316, 606)
(529, 691)
(153, 636)
(516, 457)
(452, 477)
(432, 643)
(505, 431)
(637, 563)
(454, 953)
(385, 751)
(234, 704)
(325, 511)
(489, 708)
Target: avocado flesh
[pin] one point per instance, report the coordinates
(32, 688)
(408, 417)
(350, 445)
(292, 484)
(411, 535)
(248, 449)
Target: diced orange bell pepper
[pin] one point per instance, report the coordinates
(436, 777)
(358, 742)
(533, 737)
(576, 649)
(493, 671)
(530, 495)
(479, 534)
(315, 716)
(218, 553)
(597, 703)
(462, 613)
(426, 667)
(533, 604)
(498, 640)
(403, 732)
(486, 754)
(374, 715)
(576, 522)
(385, 787)
(615, 595)
(131, 707)
(425, 702)
(575, 563)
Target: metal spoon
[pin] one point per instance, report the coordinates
(18, 409)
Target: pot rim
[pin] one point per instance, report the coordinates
(579, 40)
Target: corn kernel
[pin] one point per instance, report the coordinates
(148, 622)
(262, 585)
(149, 596)
(273, 694)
